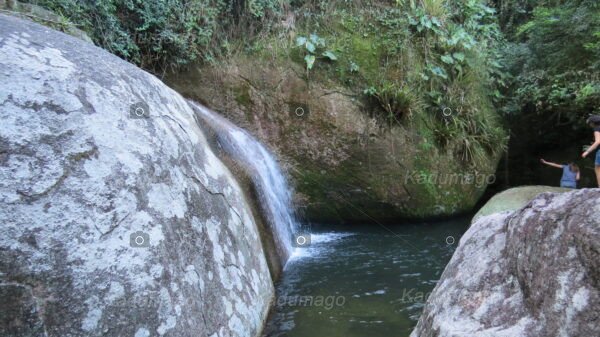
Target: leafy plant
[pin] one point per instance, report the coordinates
(423, 21)
(315, 47)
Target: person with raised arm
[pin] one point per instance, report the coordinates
(570, 175)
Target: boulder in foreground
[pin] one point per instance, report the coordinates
(111, 223)
(534, 272)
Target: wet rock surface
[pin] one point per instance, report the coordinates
(114, 220)
(530, 272)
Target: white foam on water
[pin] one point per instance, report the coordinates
(328, 237)
(320, 243)
(376, 292)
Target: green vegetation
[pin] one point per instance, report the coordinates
(315, 47)
(161, 35)
(446, 67)
(413, 60)
(554, 57)
(410, 59)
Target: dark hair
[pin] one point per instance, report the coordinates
(593, 121)
(573, 167)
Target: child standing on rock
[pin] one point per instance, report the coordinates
(570, 175)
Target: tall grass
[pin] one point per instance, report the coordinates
(437, 8)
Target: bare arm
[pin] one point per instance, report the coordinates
(549, 163)
(578, 175)
(593, 146)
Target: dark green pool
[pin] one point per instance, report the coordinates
(361, 282)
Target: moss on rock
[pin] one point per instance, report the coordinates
(515, 198)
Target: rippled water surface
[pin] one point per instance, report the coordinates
(362, 281)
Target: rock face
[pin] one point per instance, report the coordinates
(532, 272)
(514, 198)
(82, 177)
(346, 165)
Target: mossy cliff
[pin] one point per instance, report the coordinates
(345, 165)
(390, 129)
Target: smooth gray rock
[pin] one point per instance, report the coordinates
(534, 272)
(79, 175)
(515, 198)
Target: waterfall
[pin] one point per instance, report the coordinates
(272, 188)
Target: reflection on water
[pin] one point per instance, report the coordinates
(362, 281)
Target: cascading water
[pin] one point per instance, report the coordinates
(270, 183)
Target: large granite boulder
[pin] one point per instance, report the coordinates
(533, 272)
(116, 219)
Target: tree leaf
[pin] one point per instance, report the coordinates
(459, 56)
(488, 10)
(310, 61)
(439, 72)
(300, 40)
(428, 23)
(371, 91)
(447, 59)
(330, 55)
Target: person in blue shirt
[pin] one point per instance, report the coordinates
(594, 123)
(570, 175)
